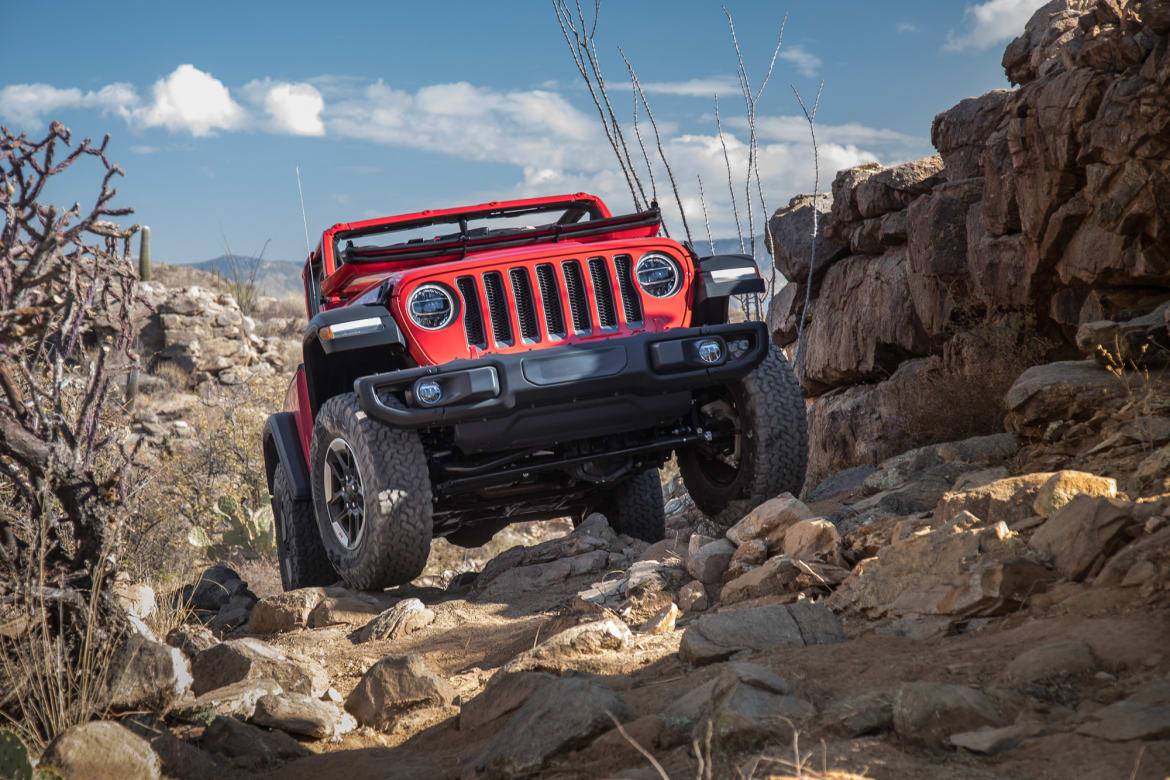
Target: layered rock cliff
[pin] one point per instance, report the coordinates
(937, 281)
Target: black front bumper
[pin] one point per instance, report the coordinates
(646, 364)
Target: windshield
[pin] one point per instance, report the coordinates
(455, 229)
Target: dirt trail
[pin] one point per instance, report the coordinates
(473, 636)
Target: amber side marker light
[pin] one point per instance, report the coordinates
(353, 328)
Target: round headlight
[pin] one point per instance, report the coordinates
(658, 275)
(431, 307)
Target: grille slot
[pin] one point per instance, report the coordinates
(578, 303)
(631, 303)
(472, 316)
(554, 318)
(493, 288)
(525, 304)
(603, 291)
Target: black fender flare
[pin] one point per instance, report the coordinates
(718, 278)
(388, 335)
(282, 449)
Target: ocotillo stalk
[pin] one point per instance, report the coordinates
(144, 255)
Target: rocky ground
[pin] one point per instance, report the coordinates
(997, 606)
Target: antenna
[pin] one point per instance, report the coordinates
(308, 246)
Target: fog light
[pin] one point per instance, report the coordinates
(710, 351)
(428, 392)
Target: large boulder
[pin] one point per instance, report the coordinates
(846, 213)
(937, 249)
(405, 617)
(717, 636)
(567, 649)
(215, 588)
(1081, 534)
(1143, 340)
(784, 313)
(503, 694)
(1063, 486)
(395, 686)
(556, 717)
(295, 713)
(963, 568)
(707, 562)
(147, 675)
(1052, 660)
(928, 713)
(895, 188)
(285, 611)
(961, 132)
(251, 659)
(792, 241)
(1067, 390)
(1039, 50)
(780, 575)
(1004, 500)
(769, 520)
(865, 423)
(235, 700)
(743, 702)
(866, 324)
(1143, 715)
(102, 750)
(249, 747)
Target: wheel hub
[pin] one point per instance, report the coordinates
(344, 494)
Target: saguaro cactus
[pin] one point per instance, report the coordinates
(144, 255)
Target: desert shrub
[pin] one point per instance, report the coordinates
(963, 393)
(206, 497)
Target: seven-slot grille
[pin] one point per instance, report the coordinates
(596, 301)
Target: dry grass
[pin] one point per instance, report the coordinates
(963, 394)
(55, 661)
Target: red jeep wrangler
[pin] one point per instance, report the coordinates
(469, 368)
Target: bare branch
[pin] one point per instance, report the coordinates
(706, 218)
(730, 184)
(811, 118)
(658, 140)
(583, 52)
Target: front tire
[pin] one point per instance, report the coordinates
(302, 558)
(635, 507)
(372, 493)
(765, 414)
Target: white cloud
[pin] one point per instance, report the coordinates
(794, 129)
(554, 145)
(906, 27)
(527, 128)
(293, 108)
(27, 105)
(144, 149)
(699, 87)
(190, 100)
(806, 63)
(991, 22)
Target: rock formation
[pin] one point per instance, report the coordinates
(1045, 203)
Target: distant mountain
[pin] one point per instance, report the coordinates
(276, 278)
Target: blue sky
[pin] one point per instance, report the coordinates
(390, 107)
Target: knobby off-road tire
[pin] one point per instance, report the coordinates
(635, 507)
(395, 536)
(303, 562)
(773, 442)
